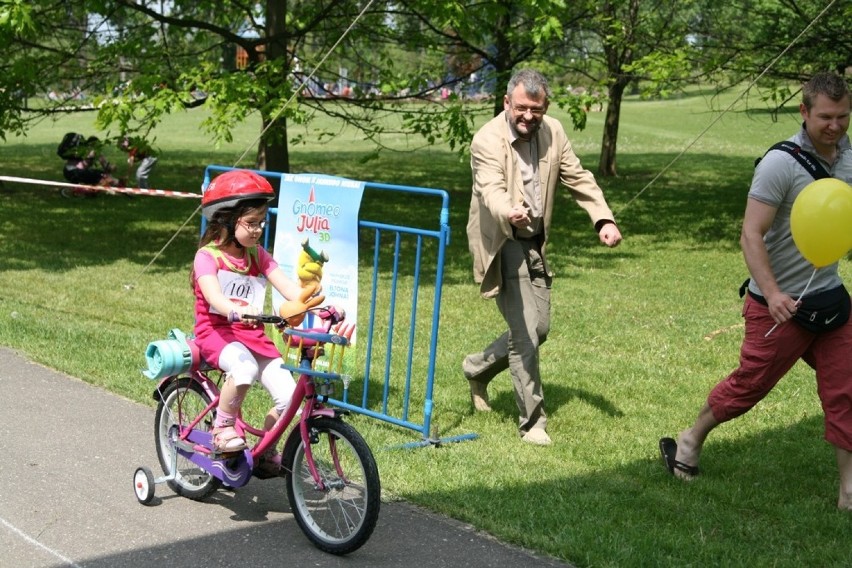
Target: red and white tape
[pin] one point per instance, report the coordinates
(129, 190)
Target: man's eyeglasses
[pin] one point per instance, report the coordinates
(537, 112)
(252, 225)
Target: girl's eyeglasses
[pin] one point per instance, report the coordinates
(252, 225)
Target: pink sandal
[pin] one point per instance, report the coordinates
(226, 440)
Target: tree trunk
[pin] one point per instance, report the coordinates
(619, 51)
(502, 62)
(273, 153)
(606, 167)
(277, 154)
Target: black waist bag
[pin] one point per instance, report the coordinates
(821, 312)
(824, 311)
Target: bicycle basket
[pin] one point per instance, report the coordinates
(324, 350)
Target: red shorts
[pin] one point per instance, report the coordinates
(764, 360)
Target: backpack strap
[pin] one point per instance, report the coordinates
(804, 158)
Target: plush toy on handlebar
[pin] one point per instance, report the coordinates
(309, 270)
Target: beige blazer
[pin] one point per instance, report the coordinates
(498, 186)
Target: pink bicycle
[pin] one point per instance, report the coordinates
(331, 475)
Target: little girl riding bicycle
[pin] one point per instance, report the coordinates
(229, 278)
(330, 473)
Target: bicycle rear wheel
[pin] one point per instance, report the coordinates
(340, 517)
(180, 403)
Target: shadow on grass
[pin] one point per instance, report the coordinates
(55, 233)
(698, 204)
(770, 494)
(555, 395)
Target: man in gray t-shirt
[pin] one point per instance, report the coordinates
(779, 276)
(778, 180)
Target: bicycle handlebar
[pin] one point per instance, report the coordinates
(265, 318)
(308, 338)
(330, 314)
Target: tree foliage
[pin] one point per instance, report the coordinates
(146, 60)
(782, 42)
(389, 66)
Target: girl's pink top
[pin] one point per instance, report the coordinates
(213, 331)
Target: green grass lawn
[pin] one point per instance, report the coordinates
(640, 334)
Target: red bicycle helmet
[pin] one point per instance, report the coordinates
(232, 187)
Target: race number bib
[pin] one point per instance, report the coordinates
(242, 290)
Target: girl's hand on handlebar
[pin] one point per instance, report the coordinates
(330, 314)
(265, 318)
(241, 314)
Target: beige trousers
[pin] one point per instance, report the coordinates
(524, 302)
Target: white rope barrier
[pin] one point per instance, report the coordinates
(104, 189)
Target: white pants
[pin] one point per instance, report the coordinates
(244, 368)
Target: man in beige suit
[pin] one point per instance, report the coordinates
(518, 158)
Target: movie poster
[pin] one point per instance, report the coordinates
(316, 240)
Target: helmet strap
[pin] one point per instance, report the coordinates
(232, 235)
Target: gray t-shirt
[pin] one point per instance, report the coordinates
(778, 180)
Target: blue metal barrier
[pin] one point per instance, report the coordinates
(406, 384)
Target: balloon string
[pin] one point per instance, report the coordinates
(808, 285)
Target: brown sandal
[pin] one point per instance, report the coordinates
(226, 440)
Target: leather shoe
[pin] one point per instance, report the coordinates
(479, 396)
(537, 436)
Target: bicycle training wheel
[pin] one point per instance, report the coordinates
(143, 485)
(341, 517)
(180, 403)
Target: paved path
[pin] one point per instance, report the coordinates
(69, 451)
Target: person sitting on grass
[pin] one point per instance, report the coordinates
(90, 167)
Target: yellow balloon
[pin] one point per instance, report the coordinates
(821, 221)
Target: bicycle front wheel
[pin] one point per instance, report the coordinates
(340, 516)
(180, 403)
